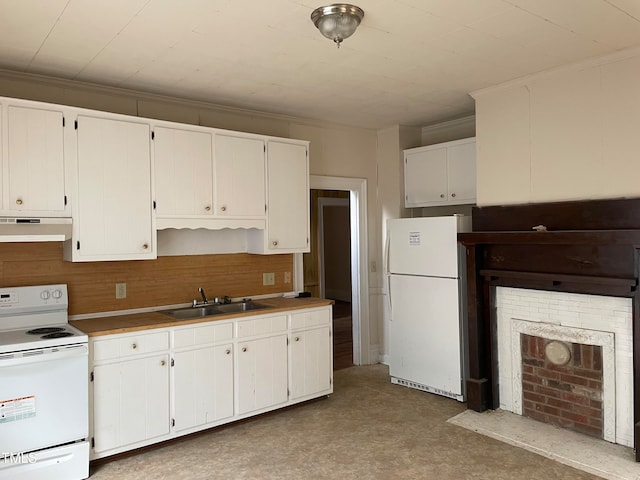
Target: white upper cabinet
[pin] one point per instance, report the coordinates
(183, 175)
(34, 174)
(113, 207)
(442, 174)
(287, 228)
(239, 176)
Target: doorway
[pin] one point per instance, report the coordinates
(327, 267)
(356, 190)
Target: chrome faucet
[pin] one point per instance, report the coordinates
(204, 297)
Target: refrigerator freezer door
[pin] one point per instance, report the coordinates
(424, 246)
(424, 333)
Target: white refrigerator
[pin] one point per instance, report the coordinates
(427, 328)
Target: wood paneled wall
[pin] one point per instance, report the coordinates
(165, 281)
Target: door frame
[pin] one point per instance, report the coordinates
(357, 188)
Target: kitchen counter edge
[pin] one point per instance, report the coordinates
(95, 327)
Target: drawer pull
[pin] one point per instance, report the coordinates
(223, 208)
(227, 352)
(134, 346)
(244, 349)
(207, 208)
(19, 201)
(163, 363)
(297, 339)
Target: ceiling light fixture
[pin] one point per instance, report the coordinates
(337, 21)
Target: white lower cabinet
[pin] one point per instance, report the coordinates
(158, 384)
(262, 373)
(202, 386)
(310, 353)
(130, 402)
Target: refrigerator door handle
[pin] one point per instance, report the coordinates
(387, 274)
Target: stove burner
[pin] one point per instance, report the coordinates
(43, 330)
(58, 334)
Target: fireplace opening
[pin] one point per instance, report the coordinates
(562, 384)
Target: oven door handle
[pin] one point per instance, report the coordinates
(46, 355)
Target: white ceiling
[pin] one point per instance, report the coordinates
(411, 62)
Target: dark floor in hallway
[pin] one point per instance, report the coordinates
(342, 335)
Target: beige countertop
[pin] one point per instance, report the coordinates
(143, 321)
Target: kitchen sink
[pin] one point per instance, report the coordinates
(190, 313)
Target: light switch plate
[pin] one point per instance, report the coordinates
(268, 278)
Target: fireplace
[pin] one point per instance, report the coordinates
(536, 298)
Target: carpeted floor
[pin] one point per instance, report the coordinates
(368, 429)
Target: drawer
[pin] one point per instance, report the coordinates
(119, 347)
(261, 326)
(311, 318)
(210, 333)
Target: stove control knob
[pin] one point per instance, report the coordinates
(44, 295)
(57, 293)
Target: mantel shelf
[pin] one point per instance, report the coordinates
(559, 237)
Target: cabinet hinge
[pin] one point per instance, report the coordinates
(93, 442)
(91, 377)
(75, 125)
(173, 422)
(288, 393)
(265, 208)
(264, 148)
(173, 362)
(65, 200)
(63, 121)
(153, 135)
(287, 340)
(154, 204)
(78, 245)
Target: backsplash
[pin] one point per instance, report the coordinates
(165, 281)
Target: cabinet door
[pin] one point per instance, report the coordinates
(239, 176)
(35, 160)
(183, 172)
(203, 386)
(288, 198)
(462, 173)
(310, 362)
(262, 373)
(130, 402)
(113, 220)
(425, 177)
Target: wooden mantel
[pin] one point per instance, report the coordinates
(588, 247)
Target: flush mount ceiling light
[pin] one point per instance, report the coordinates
(337, 21)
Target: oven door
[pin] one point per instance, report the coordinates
(43, 398)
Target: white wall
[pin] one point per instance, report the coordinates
(567, 134)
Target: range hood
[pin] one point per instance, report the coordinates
(16, 229)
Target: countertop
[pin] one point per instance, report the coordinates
(94, 327)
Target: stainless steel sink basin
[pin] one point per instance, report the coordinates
(190, 313)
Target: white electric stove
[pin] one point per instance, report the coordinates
(43, 387)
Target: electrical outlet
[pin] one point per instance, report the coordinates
(268, 278)
(287, 277)
(121, 290)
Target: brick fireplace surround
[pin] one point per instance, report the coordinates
(590, 247)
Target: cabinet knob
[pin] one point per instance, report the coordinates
(227, 352)
(297, 339)
(163, 363)
(19, 201)
(134, 346)
(442, 195)
(275, 243)
(208, 208)
(223, 208)
(145, 246)
(244, 349)
(453, 194)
